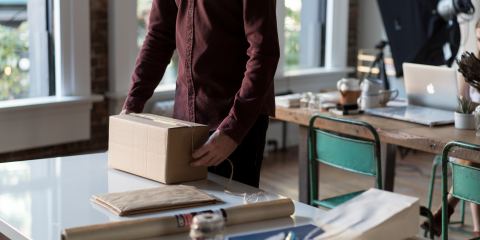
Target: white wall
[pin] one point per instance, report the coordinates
(370, 31)
(370, 28)
(468, 40)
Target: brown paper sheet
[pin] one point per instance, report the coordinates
(153, 200)
(156, 227)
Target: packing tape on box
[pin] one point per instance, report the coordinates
(160, 226)
(159, 119)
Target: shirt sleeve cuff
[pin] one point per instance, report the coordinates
(233, 128)
(133, 104)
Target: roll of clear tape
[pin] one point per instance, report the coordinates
(156, 227)
(209, 226)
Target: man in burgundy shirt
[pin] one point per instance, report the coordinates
(228, 53)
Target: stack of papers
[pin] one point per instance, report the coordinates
(288, 101)
(329, 97)
(374, 214)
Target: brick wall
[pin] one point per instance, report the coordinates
(99, 114)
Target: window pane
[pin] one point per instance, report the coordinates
(292, 33)
(143, 11)
(14, 62)
(23, 49)
(304, 33)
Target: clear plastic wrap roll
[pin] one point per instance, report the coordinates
(155, 227)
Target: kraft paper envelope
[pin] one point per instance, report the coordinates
(373, 215)
(153, 200)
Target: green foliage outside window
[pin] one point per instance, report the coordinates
(143, 12)
(13, 47)
(292, 32)
(292, 38)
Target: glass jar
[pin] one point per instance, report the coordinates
(315, 102)
(207, 226)
(476, 114)
(305, 100)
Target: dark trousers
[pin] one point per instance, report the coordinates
(247, 157)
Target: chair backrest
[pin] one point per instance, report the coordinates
(349, 153)
(465, 180)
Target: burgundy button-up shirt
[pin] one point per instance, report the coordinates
(228, 53)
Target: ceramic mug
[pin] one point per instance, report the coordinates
(370, 87)
(367, 102)
(387, 95)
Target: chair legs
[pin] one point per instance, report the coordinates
(437, 161)
(462, 214)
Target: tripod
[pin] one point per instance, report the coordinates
(380, 62)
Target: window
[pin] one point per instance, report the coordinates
(143, 11)
(305, 25)
(312, 34)
(24, 49)
(304, 34)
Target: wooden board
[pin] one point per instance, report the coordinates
(400, 133)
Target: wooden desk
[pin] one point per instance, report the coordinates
(392, 133)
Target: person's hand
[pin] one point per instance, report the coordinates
(217, 148)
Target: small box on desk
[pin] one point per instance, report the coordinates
(155, 147)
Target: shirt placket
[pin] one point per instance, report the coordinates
(189, 60)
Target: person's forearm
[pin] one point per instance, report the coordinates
(264, 52)
(154, 56)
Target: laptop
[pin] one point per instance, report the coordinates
(431, 96)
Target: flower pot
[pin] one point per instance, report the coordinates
(464, 121)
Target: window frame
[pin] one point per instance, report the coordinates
(336, 48)
(34, 11)
(45, 121)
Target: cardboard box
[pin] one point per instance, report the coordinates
(155, 147)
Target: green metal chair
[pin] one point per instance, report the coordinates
(465, 181)
(437, 161)
(349, 153)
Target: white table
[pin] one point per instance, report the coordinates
(40, 198)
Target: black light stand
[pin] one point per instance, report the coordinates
(380, 63)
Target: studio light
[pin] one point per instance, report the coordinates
(448, 9)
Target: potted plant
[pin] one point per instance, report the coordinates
(468, 66)
(464, 118)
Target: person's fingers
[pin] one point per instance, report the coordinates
(204, 160)
(201, 151)
(212, 161)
